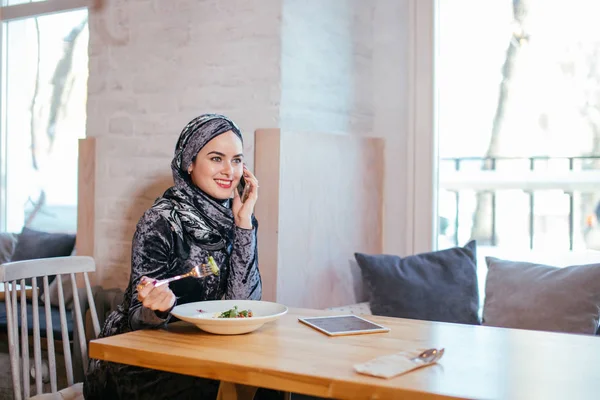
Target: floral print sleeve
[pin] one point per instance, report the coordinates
(244, 281)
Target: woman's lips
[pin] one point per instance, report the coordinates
(224, 183)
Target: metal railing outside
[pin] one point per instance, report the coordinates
(529, 174)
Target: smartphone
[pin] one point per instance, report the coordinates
(242, 189)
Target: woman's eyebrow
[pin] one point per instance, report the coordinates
(223, 155)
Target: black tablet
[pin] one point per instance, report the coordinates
(339, 325)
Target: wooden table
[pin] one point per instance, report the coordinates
(479, 362)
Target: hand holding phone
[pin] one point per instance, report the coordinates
(244, 199)
(242, 190)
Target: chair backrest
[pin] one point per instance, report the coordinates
(13, 276)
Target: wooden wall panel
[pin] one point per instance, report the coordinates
(86, 184)
(325, 195)
(266, 169)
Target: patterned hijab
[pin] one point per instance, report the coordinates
(191, 212)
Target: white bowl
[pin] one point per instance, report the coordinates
(203, 315)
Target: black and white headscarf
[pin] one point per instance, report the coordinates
(191, 212)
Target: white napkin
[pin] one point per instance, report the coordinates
(391, 365)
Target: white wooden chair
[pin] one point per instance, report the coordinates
(15, 273)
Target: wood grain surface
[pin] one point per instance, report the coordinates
(479, 362)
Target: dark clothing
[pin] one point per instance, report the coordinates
(159, 253)
(180, 231)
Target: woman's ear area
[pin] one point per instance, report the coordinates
(190, 168)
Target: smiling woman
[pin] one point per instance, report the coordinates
(218, 165)
(201, 216)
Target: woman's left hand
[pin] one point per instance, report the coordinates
(242, 211)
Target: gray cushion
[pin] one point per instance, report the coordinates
(358, 286)
(435, 286)
(540, 297)
(34, 244)
(8, 242)
(54, 314)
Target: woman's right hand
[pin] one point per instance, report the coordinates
(155, 298)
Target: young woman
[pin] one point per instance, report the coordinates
(202, 215)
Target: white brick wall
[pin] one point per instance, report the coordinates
(303, 65)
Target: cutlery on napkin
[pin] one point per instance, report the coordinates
(399, 363)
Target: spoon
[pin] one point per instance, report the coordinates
(428, 356)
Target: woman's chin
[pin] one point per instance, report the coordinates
(215, 191)
(221, 193)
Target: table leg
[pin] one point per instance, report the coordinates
(235, 391)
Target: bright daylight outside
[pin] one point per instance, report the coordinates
(45, 70)
(519, 124)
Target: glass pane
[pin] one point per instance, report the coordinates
(519, 125)
(46, 70)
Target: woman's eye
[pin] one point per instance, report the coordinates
(216, 159)
(237, 161)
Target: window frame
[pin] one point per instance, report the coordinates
(28, 10)
(421, 218)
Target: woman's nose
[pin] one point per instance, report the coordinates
(227, 169)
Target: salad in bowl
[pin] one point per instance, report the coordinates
(229, 317)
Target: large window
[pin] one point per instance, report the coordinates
(44, 91)
(519, 124)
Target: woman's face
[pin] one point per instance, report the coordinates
(218, 167)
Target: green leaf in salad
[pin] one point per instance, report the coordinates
(213, 265)
(235, 313)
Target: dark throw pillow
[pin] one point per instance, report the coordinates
(34, 244)
(435, 286)
(8, 242)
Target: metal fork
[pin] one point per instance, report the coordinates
(428, 356)
(199, 271)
